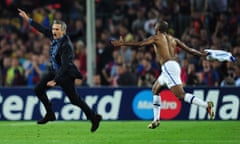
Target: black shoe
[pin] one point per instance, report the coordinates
(48, 117)
(95, 122)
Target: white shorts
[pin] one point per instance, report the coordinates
(170, 75)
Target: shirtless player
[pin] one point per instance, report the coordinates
(164, 46)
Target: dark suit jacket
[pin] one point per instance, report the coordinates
(64, 56)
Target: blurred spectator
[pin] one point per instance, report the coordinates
(222, 26)
(139, 22)
(125, 78)
(237, 79)
(114, 33)
(80, 50)
(136, 61)
(125, 51)
(204, 39)
(104, 55)
(229, 74)
(33, 72)
(210, 77)
(79, 82)
(15, 74)
(35, 69)
(152, 17)
(184, 71)
(229, 79)
(4, 68)
(110, 70)
(147, 74)
(99, 26)
(117, 16)
(97, 80)
(58, 15)
(193, 78)
(41, 16)
(43, 63)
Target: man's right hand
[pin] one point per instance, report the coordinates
(116, 43)
(23, 14)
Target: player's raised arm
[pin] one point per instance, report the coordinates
(190, 50)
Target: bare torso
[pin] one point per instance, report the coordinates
(165, 47)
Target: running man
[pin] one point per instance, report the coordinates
(164, 46)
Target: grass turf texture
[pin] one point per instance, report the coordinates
(120, 132)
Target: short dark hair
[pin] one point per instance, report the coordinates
(163, 26)
(62, 23)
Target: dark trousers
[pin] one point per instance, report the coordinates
(68, 86)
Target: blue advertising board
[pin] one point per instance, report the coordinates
(119, 104)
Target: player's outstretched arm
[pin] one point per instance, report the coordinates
(148, 41)
(191, 50)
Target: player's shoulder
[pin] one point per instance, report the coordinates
(174, 38)
(171, 38)
(158, 36)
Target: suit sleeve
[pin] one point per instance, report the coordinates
(46, 31)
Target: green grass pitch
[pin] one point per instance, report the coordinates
(120, 132)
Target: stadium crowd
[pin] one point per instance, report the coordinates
(201, 24)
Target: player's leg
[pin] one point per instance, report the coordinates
(158, 86)
(156, 100)
(171, 71)
(40, 90)
(68, 87)
(190, 98)
(156, 106)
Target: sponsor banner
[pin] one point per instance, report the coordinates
(119, 104)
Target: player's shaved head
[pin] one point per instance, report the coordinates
(162, 26)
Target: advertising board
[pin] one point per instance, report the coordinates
(119, 104)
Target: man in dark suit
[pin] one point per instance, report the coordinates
(63, 71)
